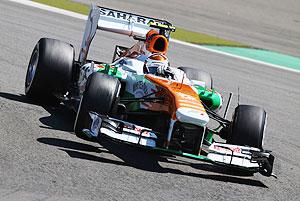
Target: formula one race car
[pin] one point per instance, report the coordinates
(140, 99)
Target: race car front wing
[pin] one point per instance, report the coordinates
(242, 157)
(120, 130)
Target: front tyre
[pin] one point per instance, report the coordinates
(100, 96)
(248, 126)
(50, 69)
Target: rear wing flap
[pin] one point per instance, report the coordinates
(120, 22)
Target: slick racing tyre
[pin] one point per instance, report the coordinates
(100, 96)
(49, 70)
(248, 126)
(195, 74)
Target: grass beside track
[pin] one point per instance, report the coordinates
(179, 34)
(67, 5)
(203, 39)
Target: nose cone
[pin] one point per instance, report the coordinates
(192, 116)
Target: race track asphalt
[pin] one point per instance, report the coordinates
(41, 159)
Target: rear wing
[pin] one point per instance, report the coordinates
(120, 22)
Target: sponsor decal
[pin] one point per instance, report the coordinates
(233, 149)
(125, 16)
(101, 66)
(145, 133)
(137, 130)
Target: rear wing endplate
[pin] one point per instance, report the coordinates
(120, 22)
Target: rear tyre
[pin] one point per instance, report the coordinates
(195, 74)
(248, 126)
(100, 96)
(50, 69)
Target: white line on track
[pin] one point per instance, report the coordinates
(84, 17)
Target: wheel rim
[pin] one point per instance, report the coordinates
(31, 70)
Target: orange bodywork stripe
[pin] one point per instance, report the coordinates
(177, 95)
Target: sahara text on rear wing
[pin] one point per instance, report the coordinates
(120, 22)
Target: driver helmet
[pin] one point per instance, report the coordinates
(155, 42)
(150, 34)
(156, 64)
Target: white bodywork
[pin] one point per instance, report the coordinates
(130, 137)
(130, 133)
(192, 116)
(232, 155)
(123, 23)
